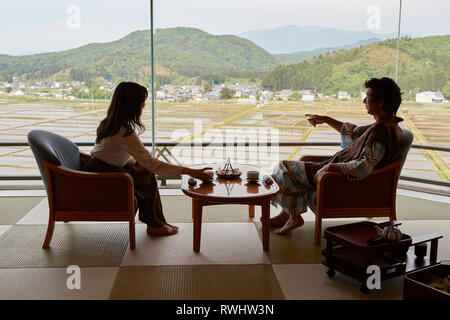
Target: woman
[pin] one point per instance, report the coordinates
(118, 148)
(364, 148)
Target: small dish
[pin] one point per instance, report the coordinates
(235, 175)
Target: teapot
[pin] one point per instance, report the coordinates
(389, 233)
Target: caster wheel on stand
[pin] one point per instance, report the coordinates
(331, 273)
(364, 289)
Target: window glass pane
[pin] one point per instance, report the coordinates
(226, 72)
(60, 61)
(424, 70)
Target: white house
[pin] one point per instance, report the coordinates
(430, 97)
(363, 95)
(160, 95)
(285, 94)
(307, 96)
(249, 100)
(266, 95)
(19, 93)
(343, 95)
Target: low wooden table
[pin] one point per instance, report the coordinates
(348, 252)
(223, 191)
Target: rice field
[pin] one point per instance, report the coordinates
(223, 122)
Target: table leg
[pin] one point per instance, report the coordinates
(433, 251)
(197, 213)
(251, 211)
(265, 210)
(329, 254)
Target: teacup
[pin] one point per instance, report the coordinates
(253, 175)
(210, 173)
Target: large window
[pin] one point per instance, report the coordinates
(225, 72)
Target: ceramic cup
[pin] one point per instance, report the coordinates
(253, 175)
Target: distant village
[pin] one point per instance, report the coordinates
(241, 93)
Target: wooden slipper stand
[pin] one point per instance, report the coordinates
(348, 252)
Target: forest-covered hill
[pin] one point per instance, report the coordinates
(423, 65)
(185, 52)
(182, 54)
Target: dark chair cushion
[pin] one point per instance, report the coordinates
(55, 149)
(404, 145)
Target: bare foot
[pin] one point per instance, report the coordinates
(293, 222)
(279, 220)
(165, 230)
(173, 227)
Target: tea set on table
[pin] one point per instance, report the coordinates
(230, 173)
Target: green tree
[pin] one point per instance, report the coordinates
(296, 96)
(207, 87)
(446, 90)
(227, 94)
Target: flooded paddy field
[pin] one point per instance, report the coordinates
(219, 123)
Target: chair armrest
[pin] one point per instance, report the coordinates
(376, 190)
(396, 165)
(313, 158)
(324, 175)
(84, 155)
(89, 191)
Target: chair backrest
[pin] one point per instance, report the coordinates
(55, 149)
(404, 146)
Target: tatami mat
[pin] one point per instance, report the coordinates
(12, 209)
(230, 265)
(410, 208)
(39, 215)
(179, 209)
(4, 228)
(208, 282)
(298, 245)
(51, 284)
(221, 243)
(100, 245)
(310, 282)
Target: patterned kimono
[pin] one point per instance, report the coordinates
(364, 148)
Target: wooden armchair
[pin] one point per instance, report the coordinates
(374, 196)
(74, 195)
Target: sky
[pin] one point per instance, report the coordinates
(34, 26)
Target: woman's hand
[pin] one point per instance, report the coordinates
(315, 119)
(198, 173)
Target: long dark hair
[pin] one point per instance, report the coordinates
(124, 111)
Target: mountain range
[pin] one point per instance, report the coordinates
(290, 39)
(184, 52)
(180, 53)
(186, 55)
(296, 57)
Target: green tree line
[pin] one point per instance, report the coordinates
(423, 65)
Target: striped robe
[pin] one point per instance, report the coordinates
(292, 178)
